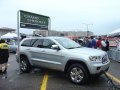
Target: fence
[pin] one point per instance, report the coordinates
(114, 54)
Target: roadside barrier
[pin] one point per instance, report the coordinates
(114, 54)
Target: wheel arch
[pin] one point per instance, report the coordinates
(25, 65)
(23, 55)
(70, 62)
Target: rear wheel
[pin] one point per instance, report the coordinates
(78, 73)
(24, 64)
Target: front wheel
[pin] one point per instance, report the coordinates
(78, 74)
(24, 65)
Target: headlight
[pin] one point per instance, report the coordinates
(95, 58)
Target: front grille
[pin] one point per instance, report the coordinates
(104, 59)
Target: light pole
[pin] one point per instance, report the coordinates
(87, 28)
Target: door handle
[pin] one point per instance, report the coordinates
(27, 49)
(43, 51)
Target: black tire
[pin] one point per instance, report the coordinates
(24, 64)
(78, 74)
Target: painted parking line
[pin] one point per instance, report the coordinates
(113, 78)
(45, 79)
(44, 82)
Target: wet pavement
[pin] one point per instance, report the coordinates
(56, 80)
(115, 69)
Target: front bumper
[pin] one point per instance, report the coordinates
(98, 68)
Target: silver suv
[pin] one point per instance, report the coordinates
(62, 54)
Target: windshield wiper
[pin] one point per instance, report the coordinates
(74, 47)
(71, 48)
(78, 47)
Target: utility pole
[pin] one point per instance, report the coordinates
(87, 28)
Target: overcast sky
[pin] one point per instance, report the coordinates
(102, 15)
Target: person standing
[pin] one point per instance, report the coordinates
(87, 42)
(103, 44)
(0, 63)
(4, 55)
(93, 42)
(107, 45)
(99, 45)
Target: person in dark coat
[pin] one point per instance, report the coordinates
(88, 42)
(4, 55)
(93, 42)
(107, 45)
(0, 64)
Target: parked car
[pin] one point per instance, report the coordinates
(12, 47)
(62, 54)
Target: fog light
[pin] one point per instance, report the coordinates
(98, 68)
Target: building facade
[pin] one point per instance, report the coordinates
(62, 33)
(5, 30)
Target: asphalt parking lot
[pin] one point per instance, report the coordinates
(41, 79)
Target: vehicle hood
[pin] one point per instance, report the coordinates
(87, 51)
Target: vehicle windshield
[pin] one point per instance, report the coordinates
(68, 43)
(12, 43)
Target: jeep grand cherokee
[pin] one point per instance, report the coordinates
(62, 54)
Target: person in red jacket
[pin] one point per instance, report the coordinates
(99, 45)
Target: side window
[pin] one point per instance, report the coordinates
(26, 43)
(48, 43)
(38, 43)
(33, 41)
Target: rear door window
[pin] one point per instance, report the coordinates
(28, 42)
(38, 43)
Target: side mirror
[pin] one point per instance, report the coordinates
(56, 47)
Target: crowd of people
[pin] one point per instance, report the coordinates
(100, 43)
